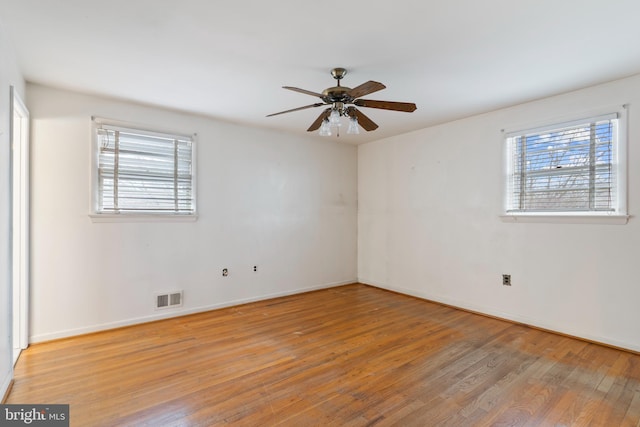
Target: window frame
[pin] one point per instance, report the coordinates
(619, 168)
(127, 216)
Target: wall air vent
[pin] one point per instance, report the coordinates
(162, 301)
(175, 299)
(169, 300)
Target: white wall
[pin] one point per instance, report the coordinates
(9, 76)
(428, 225)
(284, 203)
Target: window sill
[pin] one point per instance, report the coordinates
(142, 218)
(569, 218)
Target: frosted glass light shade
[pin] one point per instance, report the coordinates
(325, 128)
(353, 126)
(334, 118)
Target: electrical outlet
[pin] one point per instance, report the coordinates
(255, 268)
(506, 280)
(225, 272)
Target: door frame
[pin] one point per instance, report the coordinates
(20, 220)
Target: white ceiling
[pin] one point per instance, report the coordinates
(229, 59)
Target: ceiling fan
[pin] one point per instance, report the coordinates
(343, 101)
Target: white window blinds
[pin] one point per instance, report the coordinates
(144, 172)
(564, 168)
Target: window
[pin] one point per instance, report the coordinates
(143, 172)
(566, 168)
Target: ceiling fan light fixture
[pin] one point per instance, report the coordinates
(342, 101)
(353, 126)
(325, 128)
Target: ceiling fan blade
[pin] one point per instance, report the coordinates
(316, 125)
(307, 92)
(407, 107)
(366, 89)
(317, 104)
(364, 121)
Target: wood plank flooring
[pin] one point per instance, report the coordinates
(347, 356)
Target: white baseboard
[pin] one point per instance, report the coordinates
(177, 313)
(6, 382)
(537, 323)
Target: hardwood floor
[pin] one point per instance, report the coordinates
(347, 356)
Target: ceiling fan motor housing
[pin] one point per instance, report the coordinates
(337, 94)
